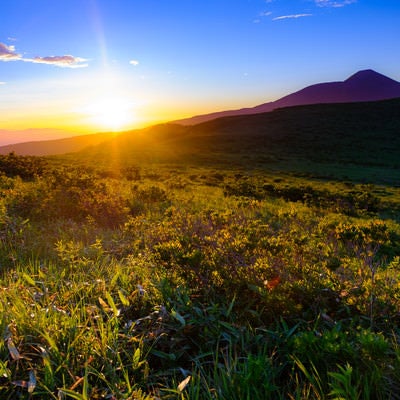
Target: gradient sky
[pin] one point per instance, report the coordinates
(92, 65)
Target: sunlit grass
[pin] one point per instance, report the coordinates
(152, 283)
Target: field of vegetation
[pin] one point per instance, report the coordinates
(162, 280)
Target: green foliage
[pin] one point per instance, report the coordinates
(72, 195)
(145, 199)
(342, 385)
(26, 167)
(196, 283)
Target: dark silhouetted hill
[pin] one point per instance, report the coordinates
(366, 85)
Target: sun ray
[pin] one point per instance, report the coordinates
(97, 24)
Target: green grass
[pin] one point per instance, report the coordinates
(179, 281)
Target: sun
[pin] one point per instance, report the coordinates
(110, 113)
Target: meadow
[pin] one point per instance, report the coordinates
(162, 281)
(207, 274)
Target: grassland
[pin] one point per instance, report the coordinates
(184, 272)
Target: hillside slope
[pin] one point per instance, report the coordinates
(360, 141)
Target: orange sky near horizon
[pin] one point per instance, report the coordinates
(96, 107)
(99, 102)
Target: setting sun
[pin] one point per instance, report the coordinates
(110, 113)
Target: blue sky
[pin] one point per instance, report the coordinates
(91, 65)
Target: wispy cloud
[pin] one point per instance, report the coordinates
(262, 15)
(60, 61)
(2, 83)
(8, 53)
(291, 16)
(134, 62)
(334, 3)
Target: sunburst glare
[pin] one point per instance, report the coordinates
(110, 113)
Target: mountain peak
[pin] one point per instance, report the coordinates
(368, 75)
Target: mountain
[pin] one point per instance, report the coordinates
(336, 133)
(32, 135)
(366, 85)
(57, 146)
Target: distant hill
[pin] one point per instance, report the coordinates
(57, 146)
(366, 85)
(33, 135)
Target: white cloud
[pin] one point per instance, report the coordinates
(2, 83)
(334, 3)
(134, 62)
(66, 61)
(291, 16)
(8, 53)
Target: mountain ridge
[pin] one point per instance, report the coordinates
(13, 136)
(56, 146)
(364, 85)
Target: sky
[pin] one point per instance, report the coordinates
(99, 65)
